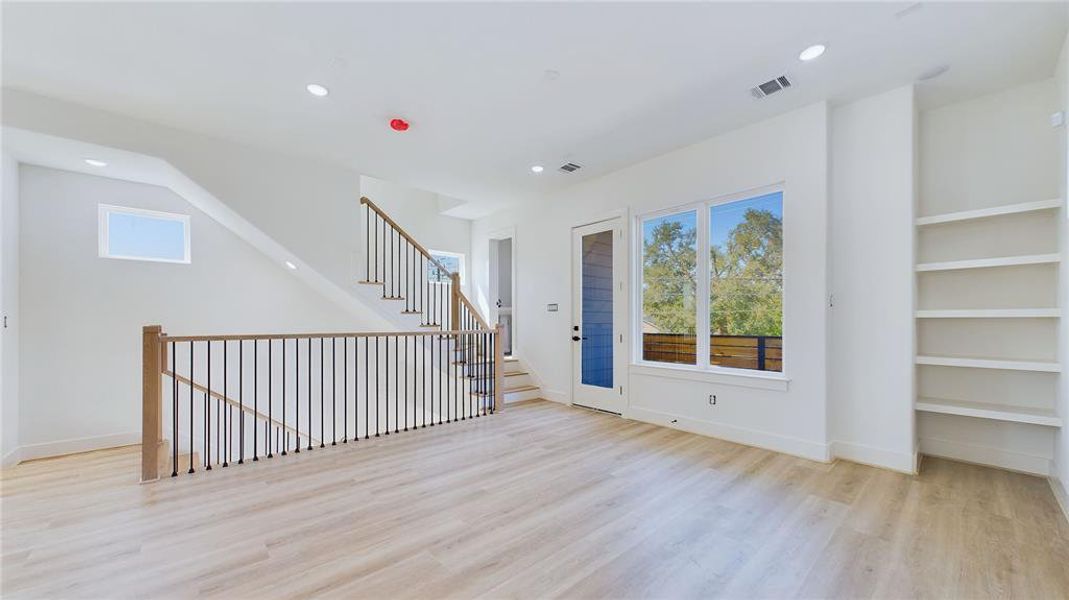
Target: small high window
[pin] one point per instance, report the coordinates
(139, 234)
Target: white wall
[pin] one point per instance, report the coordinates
(792, 149)
(871, 371)
(9, 307)
(79, 370)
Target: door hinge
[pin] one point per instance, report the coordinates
(621, 336)
(621, 390)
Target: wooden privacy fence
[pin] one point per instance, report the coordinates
(755, 352)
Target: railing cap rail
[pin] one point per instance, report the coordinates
(300, 336)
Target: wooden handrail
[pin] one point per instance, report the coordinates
(300, 336)
(485, 326)
(243, 407)
(385, 217)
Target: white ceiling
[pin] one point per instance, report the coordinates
(635, 80)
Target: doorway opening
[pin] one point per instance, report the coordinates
(502, 289)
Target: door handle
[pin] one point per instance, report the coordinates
(576, 338)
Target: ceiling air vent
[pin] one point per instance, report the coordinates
(570, 167)
(771, 87)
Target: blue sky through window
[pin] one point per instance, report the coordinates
(133, 235)
(725, 217)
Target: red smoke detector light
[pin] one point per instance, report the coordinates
(399, 124)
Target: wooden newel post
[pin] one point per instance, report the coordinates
(499, 368)
(151, 397)
(454, 306)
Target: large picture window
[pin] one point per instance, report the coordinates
(733, 274)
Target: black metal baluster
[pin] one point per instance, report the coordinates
(297, 393)
(376, 228)
(334, 391)
(228, 414)
(441, 376)
(191, 428)
(345, 390)
(255, 398)
(493, 374)
(378, 367)
(396, 388)
(367, 242)
(208, 414)
(309, 436)
(406, 383)
(367, 390)
(285, 434)
(270, 398)
(322, 430)
(241, 402)
(174, 409)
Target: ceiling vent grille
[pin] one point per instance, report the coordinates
(771, 87)
(570, 167)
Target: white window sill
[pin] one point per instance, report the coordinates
(720, 375)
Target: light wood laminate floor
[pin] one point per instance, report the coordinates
(538, 500)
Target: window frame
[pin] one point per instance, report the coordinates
(704, 283)
(103, 239)
(460, 262)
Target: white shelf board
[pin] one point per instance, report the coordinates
(983, 213)
(990, 313)
(982, 263)
(989, 363)
(997, 412)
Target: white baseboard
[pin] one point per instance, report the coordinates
(556, 396)
(1061, 494)
(12, 458)
(61, 447)
(740, 435)
(903, 462)
(987, 455)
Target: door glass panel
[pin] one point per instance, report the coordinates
(597, 363)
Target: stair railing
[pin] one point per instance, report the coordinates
(407, 271)
(211, 401)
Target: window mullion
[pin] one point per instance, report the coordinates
(702, 303)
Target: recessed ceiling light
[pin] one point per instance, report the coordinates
(95, 163)
(292, 266)
(812, 52)
(317, 90)
(537, 169)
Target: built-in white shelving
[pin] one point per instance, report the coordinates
(989, 363)
(997, 412)
(990, 313)
(985, 263)
(984, 213)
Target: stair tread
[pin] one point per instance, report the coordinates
(521, 388)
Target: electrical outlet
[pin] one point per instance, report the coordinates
(712, 399)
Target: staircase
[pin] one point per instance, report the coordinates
(519, 384)
(225, 400)
(398, 265)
